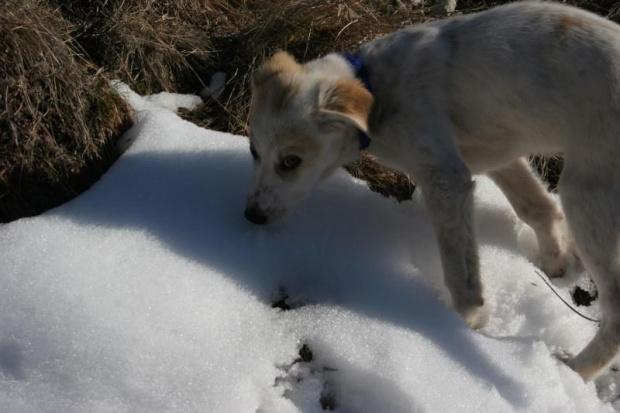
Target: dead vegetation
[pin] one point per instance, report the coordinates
(150, 45)
(59, 119)
(307, 30)
(58, 116)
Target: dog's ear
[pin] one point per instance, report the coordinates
(278, 63)
(344, 101)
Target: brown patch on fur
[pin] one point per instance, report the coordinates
(565, 24)
(276, 94)
(350, 98)
(303, 146)
(284, 94)
(280, 62)
(272, 86)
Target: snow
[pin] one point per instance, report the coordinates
(163, 100)
(151, 293)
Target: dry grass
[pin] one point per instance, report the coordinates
(150, 45)
(306, 29)
(58, 116)
(549, 169)
(381, 179)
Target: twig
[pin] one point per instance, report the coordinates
(344, 28)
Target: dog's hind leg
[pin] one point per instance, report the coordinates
(534, 206)
(590, 194)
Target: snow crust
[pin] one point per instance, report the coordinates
(151, 293)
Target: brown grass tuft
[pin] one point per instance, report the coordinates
(307, 30)
(549, 168)
(381, 179)
(58, 115)
(150, 45)
(153, 45)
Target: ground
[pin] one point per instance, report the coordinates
(151, 293)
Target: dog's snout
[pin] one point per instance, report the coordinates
(255, 215)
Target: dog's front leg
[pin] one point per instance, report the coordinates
(447, 187)
(423, 144)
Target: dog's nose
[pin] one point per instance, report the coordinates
(254, 214)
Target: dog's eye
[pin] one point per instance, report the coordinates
(290, 162)
(254, 153)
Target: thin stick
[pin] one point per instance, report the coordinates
(343, 29)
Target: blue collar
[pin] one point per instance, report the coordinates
(361, 72)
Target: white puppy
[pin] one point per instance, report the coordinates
(456, 97)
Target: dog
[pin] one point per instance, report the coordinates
(465, 95)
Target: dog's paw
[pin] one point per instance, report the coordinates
(554, 271)
(563, 355)
(560, 256)
(555, 264)
(476, 315)
(569, 359)
(587, 366)
(479, 319)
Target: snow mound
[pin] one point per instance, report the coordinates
(150, 293)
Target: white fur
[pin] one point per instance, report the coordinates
(477, 94)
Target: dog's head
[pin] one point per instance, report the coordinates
(304, 124)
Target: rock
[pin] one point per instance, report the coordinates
(444, 8)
